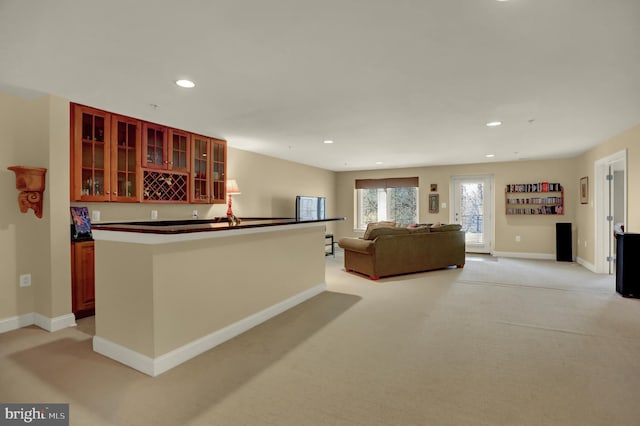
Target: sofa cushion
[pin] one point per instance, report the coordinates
(420, 230)
(376, 232)
(375, 225)
(357, 244)
(446, 228)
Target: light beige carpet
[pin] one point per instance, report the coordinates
(506, 342)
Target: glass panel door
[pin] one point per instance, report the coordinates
(92, 155)
(200, 170)
(179, 150)
(125, 148)
(472, 209)
(218, 163)
(154, 154)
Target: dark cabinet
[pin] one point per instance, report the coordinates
(82, 278)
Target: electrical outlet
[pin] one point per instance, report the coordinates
(194, 214)
(25, 280)
(154, 214)
(518, 238)
(443, 205)
(95, 216)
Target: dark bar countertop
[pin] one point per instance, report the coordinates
(200, 225)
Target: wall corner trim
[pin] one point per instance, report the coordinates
(33, 318)
(54, 324)
(587, 265)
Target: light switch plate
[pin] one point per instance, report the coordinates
(25, 280)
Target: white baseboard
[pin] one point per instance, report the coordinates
(124, 355)
(49, 324)
(156, 366)
(54, 324)
(521, 255)
(588, 265)
(14, 323)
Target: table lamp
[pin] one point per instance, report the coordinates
(232, 188)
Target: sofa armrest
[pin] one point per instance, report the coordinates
(357, 244)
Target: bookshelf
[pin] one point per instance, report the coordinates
(541, 198)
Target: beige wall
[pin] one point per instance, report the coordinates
(628, 140)
(537, 232)
(31, 133)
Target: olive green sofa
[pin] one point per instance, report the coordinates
(387, 250)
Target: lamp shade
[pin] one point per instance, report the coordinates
(232, 187)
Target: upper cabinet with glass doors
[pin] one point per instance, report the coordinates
(154, 149)
(105, 156)
(118, 158)
(208, 170)
(125, 159)
(219, 169)
(165, 148)
(90, 154)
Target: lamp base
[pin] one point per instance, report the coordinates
(229, 210)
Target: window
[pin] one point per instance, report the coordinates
(386, 199)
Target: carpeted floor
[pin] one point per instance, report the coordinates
(500, 342)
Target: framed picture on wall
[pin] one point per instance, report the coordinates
(584, 190)
(434, 201)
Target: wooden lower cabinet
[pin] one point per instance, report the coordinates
(82, 278)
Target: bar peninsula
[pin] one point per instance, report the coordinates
(167, 291)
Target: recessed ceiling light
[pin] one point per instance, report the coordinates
(187, 84)
(490, 155)
(494, 123)
(378, 162)
(328, 142)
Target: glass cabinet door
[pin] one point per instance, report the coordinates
(179, 150)
(125, 167)
(91, 155)
(200, 169)
(154, 146)
(219, 172)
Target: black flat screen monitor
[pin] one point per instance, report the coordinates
(310, 208)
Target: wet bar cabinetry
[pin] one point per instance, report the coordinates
(105, 156)
(208, 171)
(82, 278)
(165, 148)
(123, 159)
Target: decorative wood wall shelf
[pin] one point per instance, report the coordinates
(30, 181)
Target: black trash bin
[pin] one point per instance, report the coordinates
(627, 270)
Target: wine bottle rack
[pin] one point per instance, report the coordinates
(161, 186)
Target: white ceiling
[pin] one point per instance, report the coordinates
(405, 82)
